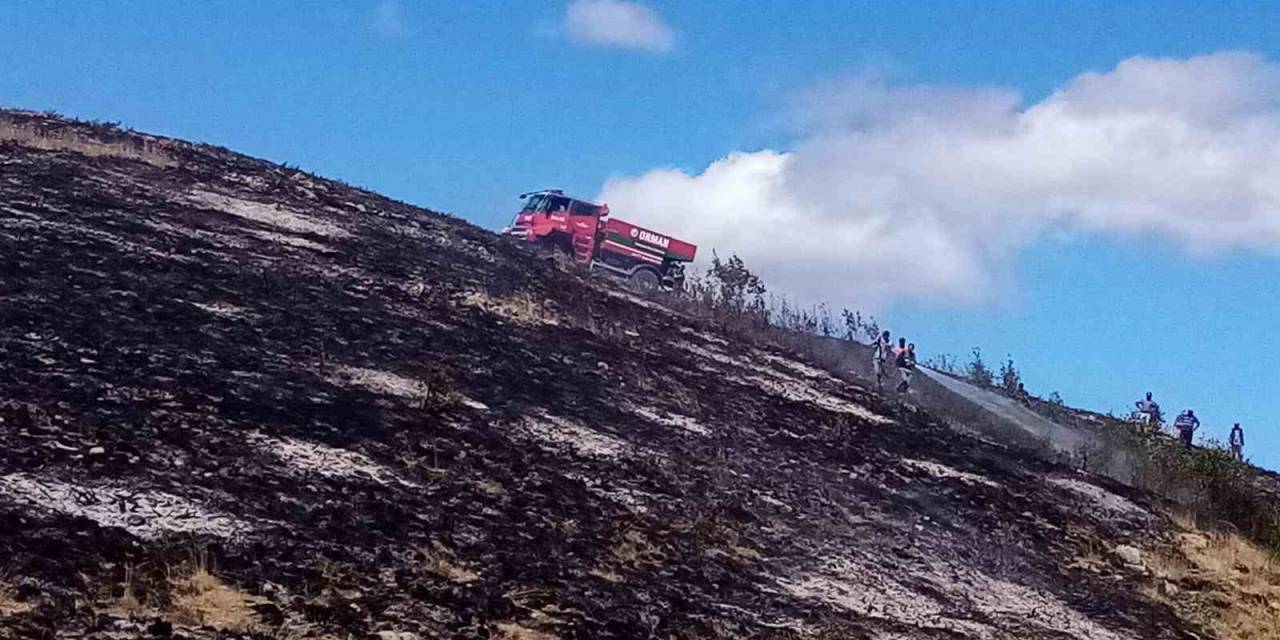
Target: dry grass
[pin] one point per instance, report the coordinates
(434, 392)
(130, 602)
(201, 598)
(68, 139)
(513, 631)
(521, 308)
(196, 597)
(9, 604)
(438, 561)
(1231, 584)
(635, 549)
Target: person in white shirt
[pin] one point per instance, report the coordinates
(880, 355)
(1146, 409)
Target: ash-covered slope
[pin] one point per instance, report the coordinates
(364, 419)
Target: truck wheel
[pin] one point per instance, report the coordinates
(644, 281)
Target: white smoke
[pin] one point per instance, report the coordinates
(893, 193)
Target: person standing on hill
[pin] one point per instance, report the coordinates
(1023, 396)
(1186, 424)
(1146, 409)
(880, 355)
(906, 362)
(1237, 442)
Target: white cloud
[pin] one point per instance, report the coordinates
(893, 193)
(388, 19)
(617, 23)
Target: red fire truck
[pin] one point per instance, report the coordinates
(583, 231)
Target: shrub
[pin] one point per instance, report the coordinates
(1010, 378)
(736, 289)
(945, 363)
(855, 326)
(977, 371)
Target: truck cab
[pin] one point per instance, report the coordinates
(560, 223)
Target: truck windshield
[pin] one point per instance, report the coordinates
(534, 202)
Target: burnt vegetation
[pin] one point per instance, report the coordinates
(237, 400)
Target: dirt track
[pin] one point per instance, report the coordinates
(373, 418)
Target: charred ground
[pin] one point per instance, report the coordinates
(364, 417)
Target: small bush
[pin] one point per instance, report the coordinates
(737, 290)
(977, 370)
(1010, 378)
(945, 363)
(856, 327)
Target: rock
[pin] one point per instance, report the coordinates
(97, 451)
(1129, 555)
(398, 635)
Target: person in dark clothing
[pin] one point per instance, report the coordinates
(1186, 424)
(1237, 442)
(1023, 396)
(906, 362)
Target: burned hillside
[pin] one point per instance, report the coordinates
(238, 400)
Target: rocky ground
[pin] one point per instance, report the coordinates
(237, 400)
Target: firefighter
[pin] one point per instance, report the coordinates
(880, 355)
(906, 362)
(1186, 424)
(1237, 442)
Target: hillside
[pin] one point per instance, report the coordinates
(237, 400)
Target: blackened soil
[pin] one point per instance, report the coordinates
(543, 454)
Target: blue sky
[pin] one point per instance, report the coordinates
(460, 106)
